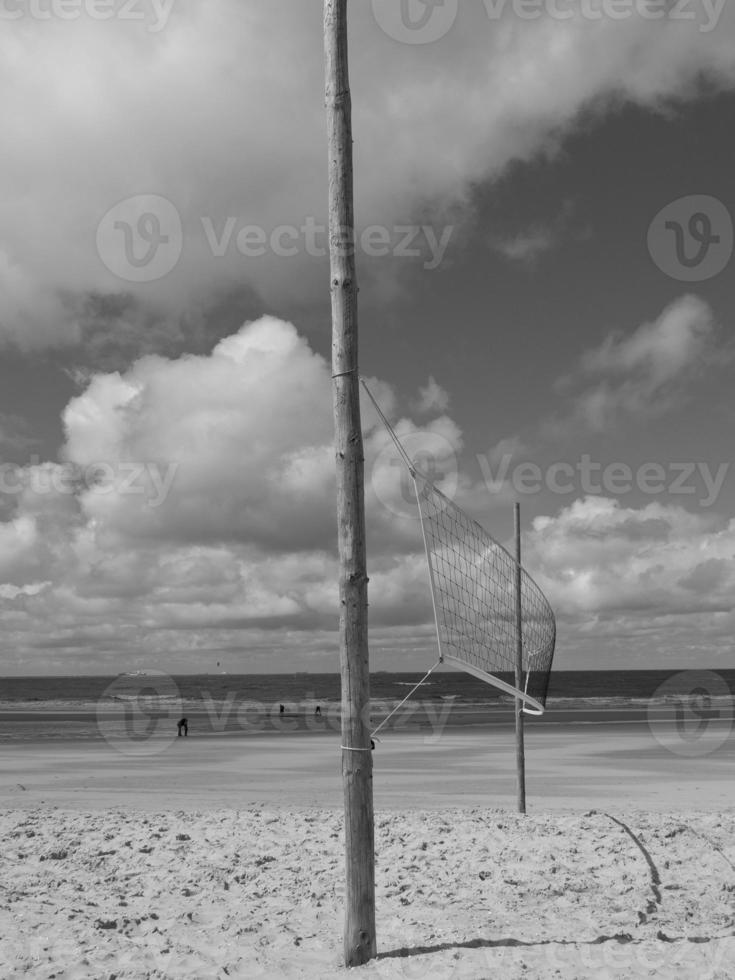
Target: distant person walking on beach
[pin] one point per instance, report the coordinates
(183, 724)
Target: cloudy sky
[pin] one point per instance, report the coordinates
(544, 199)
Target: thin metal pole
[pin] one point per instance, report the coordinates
(357, 764)
(520, 747)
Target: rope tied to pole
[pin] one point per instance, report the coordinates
(399, 706)
(374, 734)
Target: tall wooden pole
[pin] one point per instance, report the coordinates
(520, 747)
(357, 764)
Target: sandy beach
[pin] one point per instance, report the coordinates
(222, 857)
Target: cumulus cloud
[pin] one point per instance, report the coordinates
(637, 575)
(221, 113)
(652, 586)
(432, 398)
(241, 437)
(647, 372)
(196, 497)
(660, 350)
(102, 561)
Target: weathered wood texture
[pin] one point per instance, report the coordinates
(520, 746)
(357, 767)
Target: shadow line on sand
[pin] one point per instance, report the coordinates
(621, 938)
(653, 870)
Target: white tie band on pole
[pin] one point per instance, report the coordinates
(474, 593)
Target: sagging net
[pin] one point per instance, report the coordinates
(474, 592)
(473, 581)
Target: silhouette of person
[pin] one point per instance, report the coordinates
(282, 710)
(183, 724)
(318, 711)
